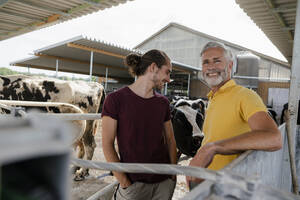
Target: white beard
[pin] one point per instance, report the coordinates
(215, 81)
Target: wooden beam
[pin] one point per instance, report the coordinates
(50, 19)
(81, 62)
(181, 70)
(67, 70)
(78, 46)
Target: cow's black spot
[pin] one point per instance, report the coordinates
(20, 96)
(27, 94)
(38, 96)
(90, 99)
(182, 103)
(9, 92)
(199, 120)
(49, 86)
(54, 109)
(101, 102)
(6, 81)
(82, 104)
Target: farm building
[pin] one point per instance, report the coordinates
(184, 45)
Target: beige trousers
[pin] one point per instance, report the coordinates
(145, 191)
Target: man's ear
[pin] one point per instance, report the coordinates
(152, 67)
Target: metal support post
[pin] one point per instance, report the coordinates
(188, 88)
(56, 68)
(106, 74)
(166, 89)
(91, 65)
(294, 94)
(28, 68)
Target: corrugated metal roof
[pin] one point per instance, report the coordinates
(276, 18)
(74, 56)
(22, 16)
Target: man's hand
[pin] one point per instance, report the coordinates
(203, 158)
(125, 183)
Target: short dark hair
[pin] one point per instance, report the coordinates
(138, 64)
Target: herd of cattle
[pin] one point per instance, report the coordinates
(187, 115)
(87, 96)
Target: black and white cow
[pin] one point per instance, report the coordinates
(187, 120)
(272, 113)
(86, 96)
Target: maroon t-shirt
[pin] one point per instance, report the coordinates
(140, 129)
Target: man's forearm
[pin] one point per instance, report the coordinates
(172, 151)
(254, 140)
(112, 156)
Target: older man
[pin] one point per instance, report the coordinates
(236, 119)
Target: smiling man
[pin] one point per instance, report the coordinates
(140, 120)
(236, 119)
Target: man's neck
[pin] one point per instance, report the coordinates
(142, 87)
(216, 88)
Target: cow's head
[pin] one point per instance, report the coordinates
(187, 119)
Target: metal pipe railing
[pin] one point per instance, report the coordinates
(71, 116)
(250, 186)
(9, 103)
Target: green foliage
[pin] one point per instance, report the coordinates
(94, 79)
(5, 71)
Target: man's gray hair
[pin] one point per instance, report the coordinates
(227, 51)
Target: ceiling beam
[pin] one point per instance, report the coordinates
(50, 19)
(278, 16)
(42, 7)
(290, 28)
(65, 70)
(110, 54)
(82, 47)
(283, 9)
(80, 61)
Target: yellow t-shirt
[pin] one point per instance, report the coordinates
(227, 116)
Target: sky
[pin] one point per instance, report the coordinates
(131, 23)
